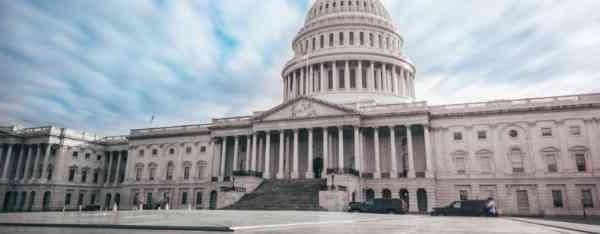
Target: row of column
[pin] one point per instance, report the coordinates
(114, 176)
(24, 156)
(316, 78)
(252, 148)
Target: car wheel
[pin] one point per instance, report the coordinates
(391, 212)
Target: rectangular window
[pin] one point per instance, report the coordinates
(154, 151)
(99, 157)
(351, 38)
(575, 131)
(80, 199)
(331, 40)
(71, 174)
(552, 165)
(580, 161)
(314, 43)
(464, 195)
(93, 199)
(138, 174)
(557, 199)
(186, 173)
(198, 198)
(95, 178)
(352, 78)
(362, 38)
(203, 149)
(83, 176)
(330, 79)
(586, 198)
(341, 38)
(141, 153)
(188, 150)
(481, 135)
(458, 136)
(67, 199)
(322, 41)
(461, 166)
(184, 198)
(87, 156)
(75, 154)
(341, 80)
(152, 173)
(371, 39)
(486, 165)
(547, 132)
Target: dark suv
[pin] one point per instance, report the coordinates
(390, 206)
(462, 208)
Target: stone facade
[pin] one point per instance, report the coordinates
(349, 116)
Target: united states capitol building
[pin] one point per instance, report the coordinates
(349, 124)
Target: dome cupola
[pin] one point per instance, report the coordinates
(349, 51)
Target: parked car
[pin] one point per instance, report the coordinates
(390, 206)
(462, 208)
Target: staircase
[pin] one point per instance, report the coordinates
(282, 195)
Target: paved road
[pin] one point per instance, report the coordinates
(299, 222)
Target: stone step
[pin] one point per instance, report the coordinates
(282, 195)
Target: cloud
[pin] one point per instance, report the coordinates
(109, 67)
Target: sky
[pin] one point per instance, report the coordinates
(110, 67)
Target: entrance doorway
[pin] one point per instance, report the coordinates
(422, 200)
(46, 201)
(318, 167)
(213, 200)
(522, 202)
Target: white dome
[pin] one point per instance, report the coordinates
(349, 51)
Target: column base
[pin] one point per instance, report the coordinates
(295, 175)
(394, 175)
(280, 176)
(411, 174)
(428, 174)
(266, 175)
(377, 175)
(221, 178)
(310, 175)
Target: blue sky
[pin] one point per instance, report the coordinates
(109, 67)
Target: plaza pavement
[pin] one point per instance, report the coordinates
(178, 221)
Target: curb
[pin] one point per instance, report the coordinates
(553, 226)
(127, 227)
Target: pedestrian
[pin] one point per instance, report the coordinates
(490, 207)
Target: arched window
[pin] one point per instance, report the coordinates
(72, 171)
(139, 170)
(485, 161)
(460, 162)
(386, 194)
(580, 154)
(170, 170)
(516, 159)
(201, 169)
(550, 156)
(152, 171)
(84, 174)
(187, 168)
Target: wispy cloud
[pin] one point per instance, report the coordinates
(109, 67)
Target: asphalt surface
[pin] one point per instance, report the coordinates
(290, 222)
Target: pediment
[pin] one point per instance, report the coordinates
(304, 107)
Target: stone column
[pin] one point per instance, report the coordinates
(357, 152)
(394, 157)
(7, 162)
(260, 153)
(267, 171)
(27, 162)
(336, 83)
(322, 77)
(280, 174)
(236, 146)
(402, 89)
(36, 162)
(302, 82)
(359, 78)
(117, 168)
(294, 84)
(223, 158)
(347, 75)
(372, 77)
(309, 171)
(248, 153)
(253, 159)
(411, 161)
(428, 162)
(295, 171)
(394, 80)
(341, 148)
(310, 80)
(325, 152)
(377, 173)
(45, 162)
(19, 163)
(108, 169)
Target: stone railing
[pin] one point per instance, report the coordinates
(173, 129)
(113, 139)
(387, 108)
(516, 103)
(34, 131)
(86, 136)
(232, 121)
